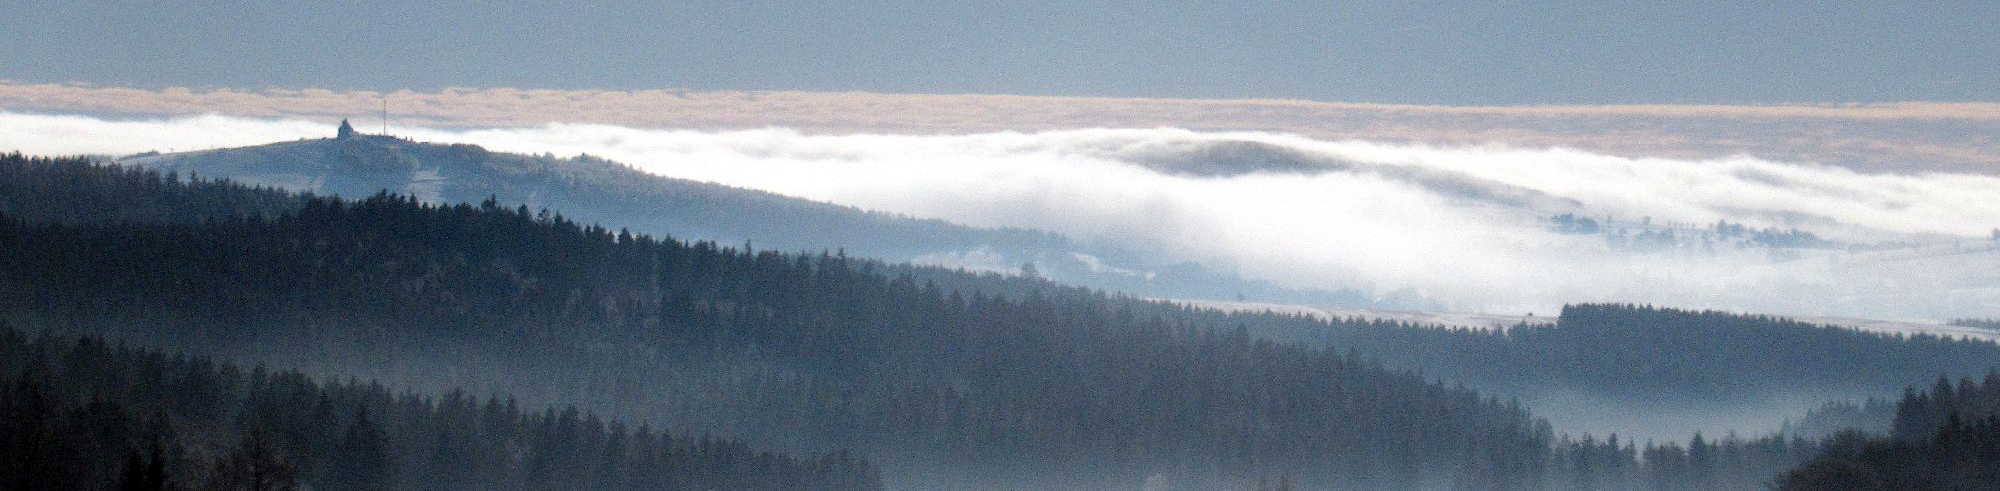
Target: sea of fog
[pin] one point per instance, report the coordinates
(1465, 227)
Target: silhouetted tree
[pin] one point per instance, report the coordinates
(361, 461)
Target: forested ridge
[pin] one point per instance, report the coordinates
(1945, 438)
(1662, 355)
(1643, 354)
(803, 352)
(1872, 416)
(594, 190)
(586, 187)
(945, 379)
(85, 414)
(77, 191)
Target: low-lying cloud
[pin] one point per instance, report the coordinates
(1465, 226)
(1889, 137)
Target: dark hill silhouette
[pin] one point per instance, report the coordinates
(72, 410)
(947, 379)
(595, 190)
(943, 384)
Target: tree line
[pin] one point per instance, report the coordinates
(1650, 354)
(77, 190)
(944, 378)
(798, 352)
(1945, 438)
(87, 414)
(1636, 353)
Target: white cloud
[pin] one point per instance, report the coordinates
(1347, 214)
(81, 135)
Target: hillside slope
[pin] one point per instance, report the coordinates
(945, 386)
(593, 190)
(84, 414)
(947, 379)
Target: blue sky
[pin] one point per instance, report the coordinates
(1490, 52)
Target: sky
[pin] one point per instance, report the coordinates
(1464, 52)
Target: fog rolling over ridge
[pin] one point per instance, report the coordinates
(1463, 228)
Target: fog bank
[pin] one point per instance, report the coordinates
(1465, 227)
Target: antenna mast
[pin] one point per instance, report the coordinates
(385, 114)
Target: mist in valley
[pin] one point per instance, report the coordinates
(515, 245)
(1470, 240)
(1463, 229)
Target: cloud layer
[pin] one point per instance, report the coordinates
(1461, 226)
(1890, 137)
